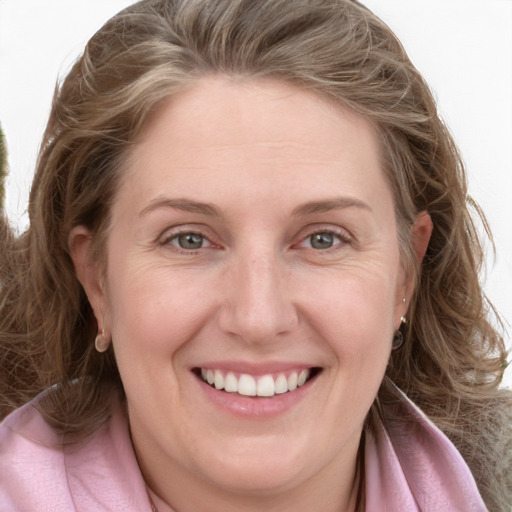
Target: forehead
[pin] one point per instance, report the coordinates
(264, 136)
(221, 107)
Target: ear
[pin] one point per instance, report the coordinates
(88, 272)
(421, 233)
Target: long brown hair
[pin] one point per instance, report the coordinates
(453, 358)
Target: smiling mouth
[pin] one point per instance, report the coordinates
(251, 386)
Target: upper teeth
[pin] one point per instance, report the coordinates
(247, 385)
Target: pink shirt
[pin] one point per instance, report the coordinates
(410, 467)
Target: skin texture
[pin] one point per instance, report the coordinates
(256, 292)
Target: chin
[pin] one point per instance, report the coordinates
(261, 469)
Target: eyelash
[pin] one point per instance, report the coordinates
(167, 241)
(340, 234)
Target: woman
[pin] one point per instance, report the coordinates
(250, 267)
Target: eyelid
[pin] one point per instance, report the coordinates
(173, 232)
(341, 233)
(205, 241)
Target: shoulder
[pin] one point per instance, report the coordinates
(39, 471)
(32, 468)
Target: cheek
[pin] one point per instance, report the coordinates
(154, 311)
(354, 316)
(356, 302)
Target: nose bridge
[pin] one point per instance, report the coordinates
(260, 282)
(259, 306)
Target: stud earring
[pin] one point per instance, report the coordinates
(101, 342)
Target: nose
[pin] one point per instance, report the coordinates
(258, 307)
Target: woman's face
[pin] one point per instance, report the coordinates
(253, 243)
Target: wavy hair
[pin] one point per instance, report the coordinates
(453, 358)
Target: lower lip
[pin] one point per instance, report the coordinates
(255, 407)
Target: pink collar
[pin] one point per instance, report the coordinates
(411, 466)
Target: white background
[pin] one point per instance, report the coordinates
(463, 48)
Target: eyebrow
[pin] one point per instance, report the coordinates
(211, 210)
(186, 205)
(328, 205)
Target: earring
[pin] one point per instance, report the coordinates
(398, 340)
(398, 337)
(403, 320)
(101, 342)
